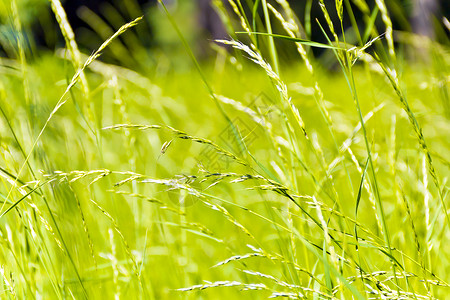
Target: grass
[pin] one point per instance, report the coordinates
(246, 176)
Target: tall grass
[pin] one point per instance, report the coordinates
(310, 182)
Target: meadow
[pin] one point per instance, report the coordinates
(256, 173)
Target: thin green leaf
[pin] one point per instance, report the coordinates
(297, 40)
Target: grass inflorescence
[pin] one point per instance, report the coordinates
(250, 176)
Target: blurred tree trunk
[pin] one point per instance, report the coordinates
(422, 17)
(210, 21)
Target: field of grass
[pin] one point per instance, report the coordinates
(247, 176)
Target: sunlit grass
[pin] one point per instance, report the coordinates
(243, 177)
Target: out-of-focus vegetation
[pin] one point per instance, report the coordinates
(151, 173)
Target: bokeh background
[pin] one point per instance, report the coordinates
(155, 41)
(146, 212)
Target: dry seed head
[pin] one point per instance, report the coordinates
(122, 237)
(9, 281)
(240, 107)
(328, 19)
(291, 28)
(237, 257)
(210, 285)
(181, 135)
(69, 36)
(236, 10)
(83, 219)
(165, 146)
(389, 30)
(290, 15)
(280, 85)
(340, 10)
(285, 295)
(64, 97)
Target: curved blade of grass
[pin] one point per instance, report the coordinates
(353, 21)
(418, 131)
(59, 104)
(75, 78)
(69, 38)
(23, 197)
(348, 74)
(19, 145)
(203, 77)
(12, 176)
(358, 198)
(297, 40)
(335, 272)
(254, 15)
(272, 48)
(196, 64)
(181, 135)
(326, 267)
(371, 24)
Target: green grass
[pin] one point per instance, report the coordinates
(245, 176)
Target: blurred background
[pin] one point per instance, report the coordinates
(145, 76)
(156, 44)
